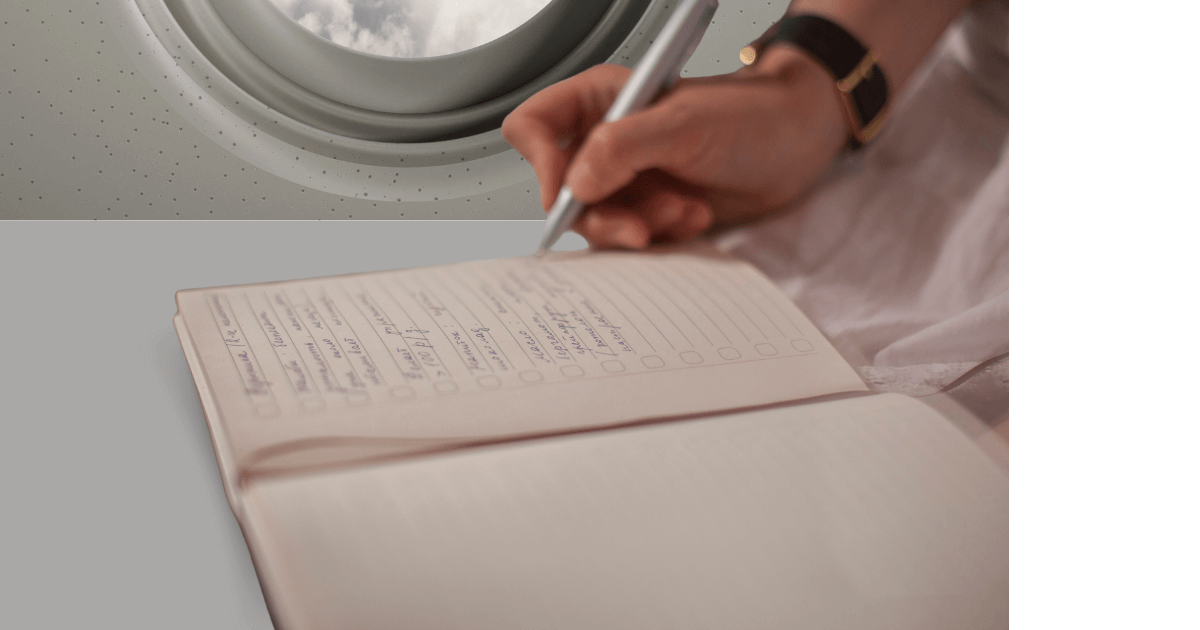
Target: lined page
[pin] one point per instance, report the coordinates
(509, 346)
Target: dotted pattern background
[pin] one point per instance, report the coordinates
(87, 133)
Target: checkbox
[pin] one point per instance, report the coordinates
(803, 345)
(653, 361)
(571, 370)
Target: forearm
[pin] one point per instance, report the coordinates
(901, 32)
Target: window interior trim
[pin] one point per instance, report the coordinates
(411, 86)
(212, 36)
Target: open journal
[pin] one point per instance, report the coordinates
(500, 443)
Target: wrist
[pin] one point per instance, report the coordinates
(789, 66)
(809, 89)
(858, 80)
(806, 91)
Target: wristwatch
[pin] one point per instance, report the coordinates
(860, 81)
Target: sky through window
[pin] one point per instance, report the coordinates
(410, 28)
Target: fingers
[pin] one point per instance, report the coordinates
(548, 127)
(613, 227)
(560, 127)
(608, 227)
(695, 220)
(647, 214)
(666, 136)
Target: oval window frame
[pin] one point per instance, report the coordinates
(377, 137)
(427, 85)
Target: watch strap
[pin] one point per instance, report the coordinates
(860, 81)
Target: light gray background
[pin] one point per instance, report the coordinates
(111, 509)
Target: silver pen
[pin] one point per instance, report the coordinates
(656, 73)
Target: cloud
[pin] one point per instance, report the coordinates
(410, 28)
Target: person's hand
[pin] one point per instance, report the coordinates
(713, 152)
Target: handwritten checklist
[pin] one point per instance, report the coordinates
(481, 326)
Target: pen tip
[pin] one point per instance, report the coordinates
(541, 251)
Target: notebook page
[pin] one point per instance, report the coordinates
(872, 512)
(416, 359)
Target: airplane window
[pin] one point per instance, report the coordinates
(410, 28)
(398, 82)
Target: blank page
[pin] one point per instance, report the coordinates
(415, 359)
(872, 512)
